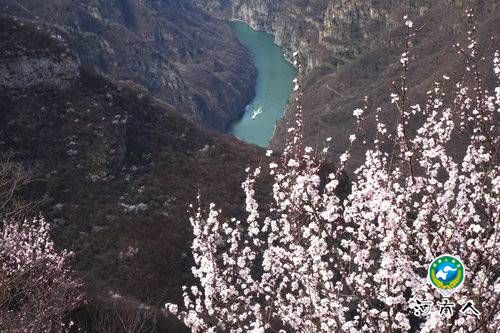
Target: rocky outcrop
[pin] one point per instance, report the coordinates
(178, 53)
(326, 33)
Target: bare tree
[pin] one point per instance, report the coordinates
(13, 179)
(120, 315)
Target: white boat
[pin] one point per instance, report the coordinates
(255, 113)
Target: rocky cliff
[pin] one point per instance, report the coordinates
(326, 33)
(115, 167)
(178, 53)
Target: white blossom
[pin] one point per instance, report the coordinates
(312, 261)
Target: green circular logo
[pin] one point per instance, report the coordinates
(447, 274)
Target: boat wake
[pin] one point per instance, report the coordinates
(256, 112)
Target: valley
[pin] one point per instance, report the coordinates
(123, 112)
(353, 47)
(170, 49)
(273, 87)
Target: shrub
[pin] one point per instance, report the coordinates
(37, 290)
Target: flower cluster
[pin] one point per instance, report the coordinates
(37, 291)
(314, 261)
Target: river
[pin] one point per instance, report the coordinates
(273, 88)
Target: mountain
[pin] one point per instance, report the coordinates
(116, 167)
(180, 54)
(325, 32)
(351, 49)
(94, 97)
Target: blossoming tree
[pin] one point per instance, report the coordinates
(313, 262)
(37, 291)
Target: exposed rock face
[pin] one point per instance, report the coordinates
(325, 32)
(178, 53)
(116, 167)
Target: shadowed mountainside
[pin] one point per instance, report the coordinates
(116, 168)
(177, 52)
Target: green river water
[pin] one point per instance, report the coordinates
(273, 89)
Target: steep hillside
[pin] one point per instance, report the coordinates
(326, 33)
(115, 167)
(178, 53)
(351, 49)
(331, 94)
